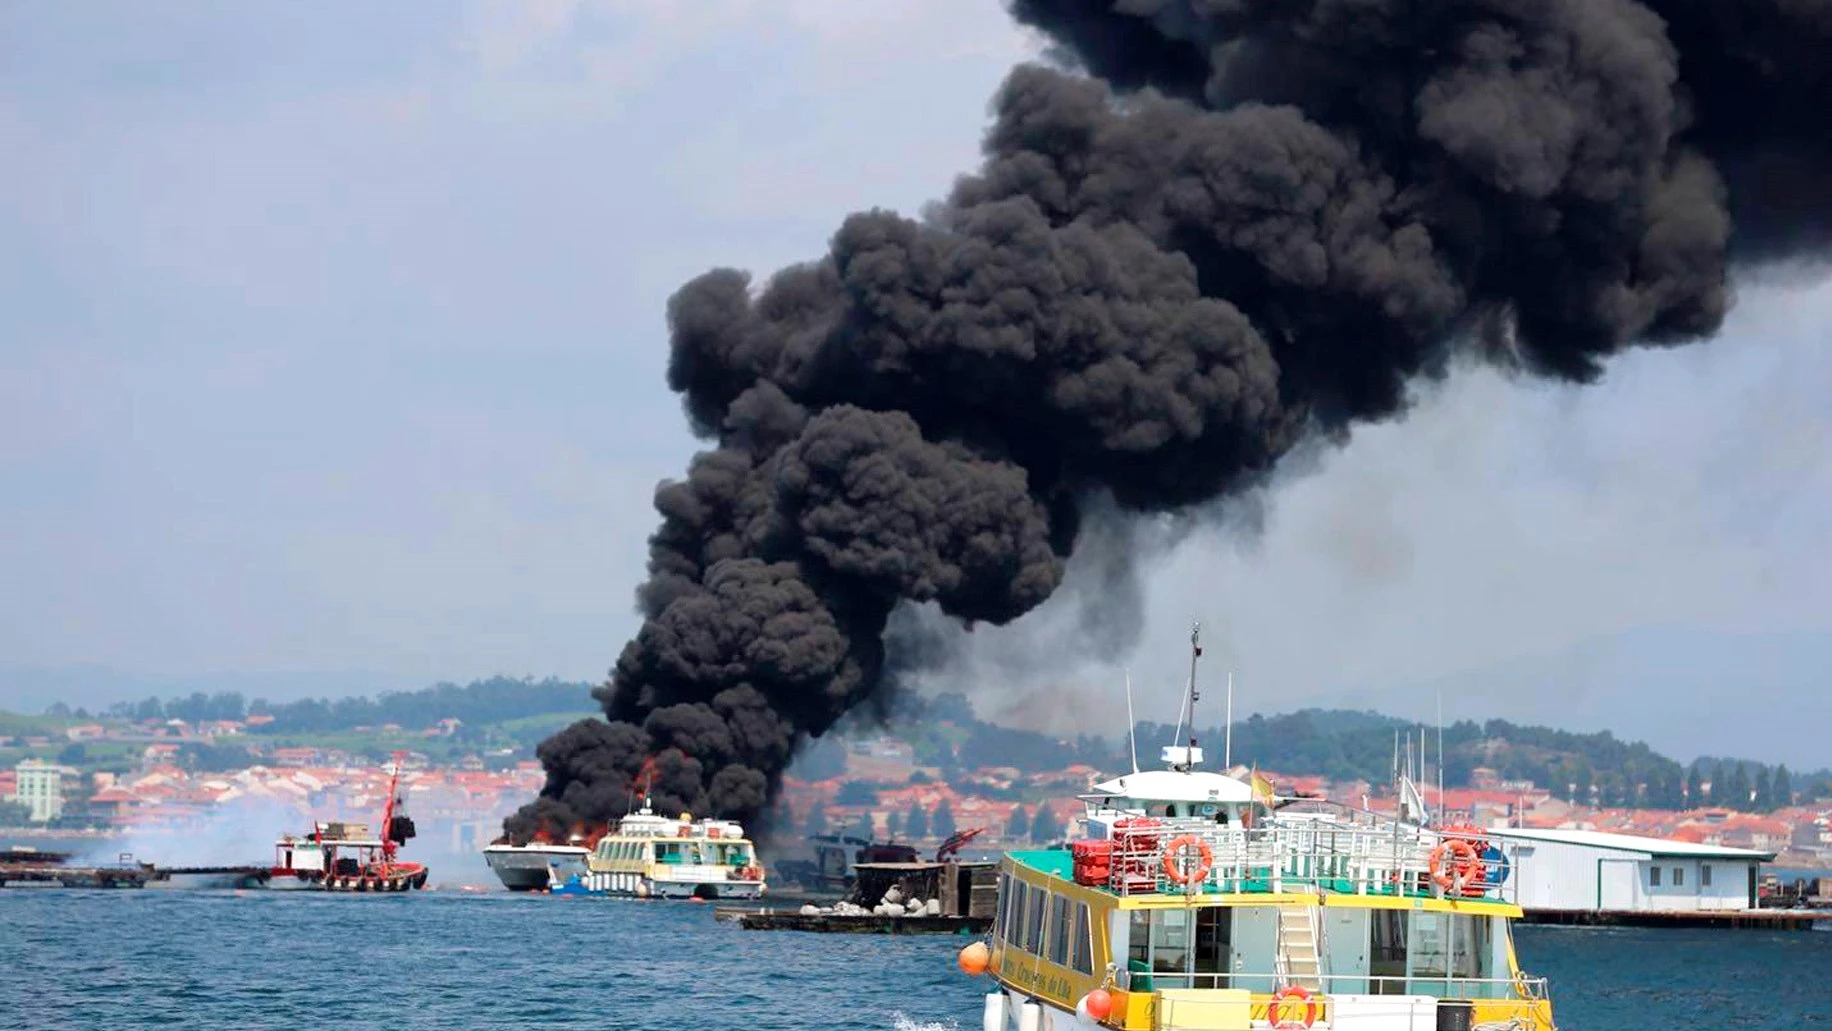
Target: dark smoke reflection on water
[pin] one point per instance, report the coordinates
(1222, 229)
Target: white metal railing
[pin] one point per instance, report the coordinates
(1532, 989)
(1342, 858)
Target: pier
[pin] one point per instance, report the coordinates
(1739, 919)
(27, 868)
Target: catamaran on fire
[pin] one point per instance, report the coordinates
(1198, 902)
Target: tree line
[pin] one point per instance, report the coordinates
(479, 702)
(1342, 745)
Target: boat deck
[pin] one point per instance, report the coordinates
(1318, 858)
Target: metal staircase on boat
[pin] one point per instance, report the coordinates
(1298, 954)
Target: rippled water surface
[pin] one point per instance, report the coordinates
(117, 961)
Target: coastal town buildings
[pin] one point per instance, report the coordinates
(39, 786)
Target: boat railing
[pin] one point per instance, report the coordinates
(1338, 858)
(1531, 989)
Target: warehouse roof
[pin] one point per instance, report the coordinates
(1661, 847)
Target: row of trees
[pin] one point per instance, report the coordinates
(1594, 768)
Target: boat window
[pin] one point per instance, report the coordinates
(1653, 876)
(1060, 926)
(1679, 877)
(1472, 946)
(1028, 899)
(1033, 921)
(1001, 922)
(1138, 942)
(1704, 875)
(1083, 958)
(1430, 945)
(1387, 951)
(1014, 915)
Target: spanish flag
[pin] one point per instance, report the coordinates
(1262, 789)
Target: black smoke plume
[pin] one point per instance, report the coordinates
(1234, 224)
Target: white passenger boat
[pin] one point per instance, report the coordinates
(535, 866)
(651, 856)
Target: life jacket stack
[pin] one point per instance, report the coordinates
(1093, 861)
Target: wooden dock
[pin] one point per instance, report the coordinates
(1739, 919)
(126, 875)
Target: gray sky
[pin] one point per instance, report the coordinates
(334, 341)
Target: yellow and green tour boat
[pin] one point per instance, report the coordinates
(1199, 901)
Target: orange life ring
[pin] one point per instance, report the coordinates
(1174, 860)
(1464, 870)
(1284, 1000)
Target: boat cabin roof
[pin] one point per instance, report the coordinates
(1147, 786)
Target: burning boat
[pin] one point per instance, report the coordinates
(650, 856)
(337, 856)
(537, 865)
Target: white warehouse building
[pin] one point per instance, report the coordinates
(1569, 871)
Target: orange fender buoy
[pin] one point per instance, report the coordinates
(975, 959)
(1098, 1004)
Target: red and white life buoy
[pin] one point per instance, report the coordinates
(1457, 868)
(1292, 1008)
(1177, 864)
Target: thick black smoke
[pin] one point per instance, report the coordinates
(1249, 221)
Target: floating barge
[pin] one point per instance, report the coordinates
(766, 920)
(28, 868)
(963, 898)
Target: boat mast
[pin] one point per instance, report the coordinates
(1189, 758)
(1227, 734)
(1132, 727)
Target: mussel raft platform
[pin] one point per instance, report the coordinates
(967, 892)
(766, 920)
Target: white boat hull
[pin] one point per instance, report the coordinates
(529, 867)
(636, 886)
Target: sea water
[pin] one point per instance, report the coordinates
(216, 961)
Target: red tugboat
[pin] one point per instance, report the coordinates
(344, 857)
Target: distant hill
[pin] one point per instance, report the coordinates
(1349, 745)
(497, 700)
(1688, 691)
(34, 688)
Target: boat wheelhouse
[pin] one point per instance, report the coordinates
(651, 856)
(1200, 902)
